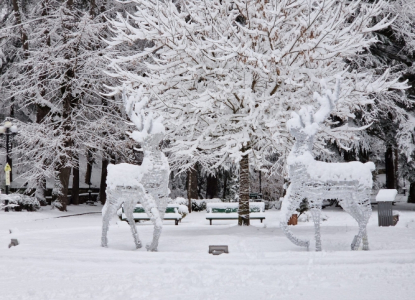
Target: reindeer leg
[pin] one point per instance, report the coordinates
(359, 217)
(290, 204)
(161, 203)
(108, 211)
(367, 212)
(152, 211)
(351, 207)
(315, 212)
(129, 210)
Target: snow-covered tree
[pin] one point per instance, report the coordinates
(59, 81)
(393, 126)
(228, 73)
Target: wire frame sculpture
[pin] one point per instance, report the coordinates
(350, 183)
(147, 183)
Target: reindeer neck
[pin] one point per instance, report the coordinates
(302, 148)
(301, 153)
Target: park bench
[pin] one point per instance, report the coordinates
(229, 211)
(139, 214)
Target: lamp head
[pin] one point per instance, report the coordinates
(8, 124)
(2, 129)
(13, 129)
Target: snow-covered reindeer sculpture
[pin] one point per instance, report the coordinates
(350, 183)
(147, 183)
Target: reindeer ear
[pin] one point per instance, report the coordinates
(306, 115)
(125, 100)
(150, 126)
(294, 122)
(140, 124)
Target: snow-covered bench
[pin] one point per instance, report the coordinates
(139, 214)
(229, 211)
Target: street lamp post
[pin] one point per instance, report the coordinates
(90, 201)
(8, 129)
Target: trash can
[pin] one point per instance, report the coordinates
(384, 198)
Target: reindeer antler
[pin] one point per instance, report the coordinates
(306, 120)
(134, 108)
(146, 124)
(327, 101)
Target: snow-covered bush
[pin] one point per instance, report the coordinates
(198, 205)
(182, 203)
(19, 202)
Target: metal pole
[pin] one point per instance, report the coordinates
(260, 183)
(6, 202)
(8, 150)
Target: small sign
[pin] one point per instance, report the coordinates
(218, 249)
(8, 178)
(7, 168)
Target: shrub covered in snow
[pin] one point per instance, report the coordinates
(19, 202)
(183, 209)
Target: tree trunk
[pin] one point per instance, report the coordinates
(90, 162)
(211, 187)
(395, 168)
(243, 212)
(18, 21)
(192, 185)
(40, 191)
(411, 195)
(62, 190)
(103, 184)
(75, 183)
(225, 183)
(389, 168)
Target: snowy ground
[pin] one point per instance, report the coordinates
(61, 258)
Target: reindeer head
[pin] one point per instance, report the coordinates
(150, 128)
(305, 125)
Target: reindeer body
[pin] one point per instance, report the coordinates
(147, 183)
(350, 183)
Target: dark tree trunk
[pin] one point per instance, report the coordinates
(103, 184)
(42, 111)
(225, 183)
(260, 182)
(63, 176)
(395, 168)
(69, 103)
(40, 191)
(411, 196)
(192, 185)
(390, 169)
(211, 187)
(75, 183)
(18, 21)
(90, 162)
(243, 212)
(92, 8)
